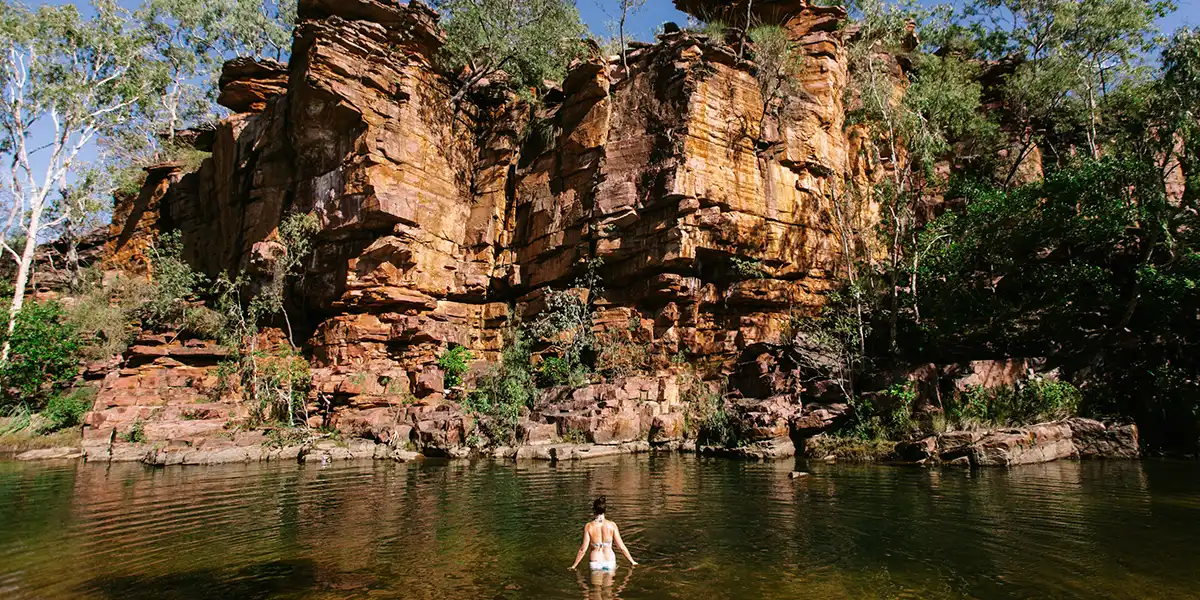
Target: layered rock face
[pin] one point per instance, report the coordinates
(712, 234)
(710, 217)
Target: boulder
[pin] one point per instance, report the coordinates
(918, 450)
(537, 433)
(247, 85)
(1034, 444)
(1094, 439)
(761, 450)
(817, 419)
(667, 427)
(62, 453)
(954, 444)
(616, 429)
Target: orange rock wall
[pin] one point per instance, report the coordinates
(438, 223)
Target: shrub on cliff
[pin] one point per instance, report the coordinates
(706, 417)
(530, 40)
(779, 63)
(502, 391)
(174, 281)
(67, 410)
(454, 363)
(1035, 401)
(107, 314)
(43, 355)
(104, 313)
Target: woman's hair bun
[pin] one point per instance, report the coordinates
(598, 506)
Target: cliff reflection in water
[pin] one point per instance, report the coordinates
(701, 528)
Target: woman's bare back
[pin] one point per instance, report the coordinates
(600, 536)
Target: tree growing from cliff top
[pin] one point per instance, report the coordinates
(77, 78)
(1068, 55)
(529, 40)
(190, 40)
(628, 8)
(910, 120)
(779, 63)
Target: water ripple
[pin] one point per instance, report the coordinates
(711, 528)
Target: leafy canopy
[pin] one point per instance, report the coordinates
(530, 40)
(43, 355)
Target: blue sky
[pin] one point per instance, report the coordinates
(656, 12)
(598, 13)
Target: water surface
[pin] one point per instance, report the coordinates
(702, 528)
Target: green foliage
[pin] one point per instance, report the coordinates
(575, 436)
(887, 416)
(67, 410)
(454, 362)
(108, 311)
(617, 356)
(47, 47)
(43, 355)
(174, 282)
(136, 433)
(275, 380)
(296, 234)
(715, 29)
(566, 327)
(1093, 266)
(832, 345)
(779, 63)
(1070, 55)
(747, 268)
(849, 447)
(554, 371)
(1039, 262)
(20, 418)
(943, 114)
(1035, 401)
(503, 391)
(705, 414)
(104, 314)
(531, 40)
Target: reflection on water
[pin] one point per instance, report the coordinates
(710, 529)
(603, 585)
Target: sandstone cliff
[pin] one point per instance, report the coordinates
(444, 225)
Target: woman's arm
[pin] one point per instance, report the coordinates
(582, 548)
(620, 543)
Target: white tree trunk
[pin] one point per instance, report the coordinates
(24, 269)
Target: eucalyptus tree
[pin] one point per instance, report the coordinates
(628, 7)
(530, 40)
(911, 120)
(191, 39)
(65, 80)
(1069, 55)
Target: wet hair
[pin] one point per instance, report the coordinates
(599, 505)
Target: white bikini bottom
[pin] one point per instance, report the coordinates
(604, 565)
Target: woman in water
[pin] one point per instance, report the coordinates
(601, 534)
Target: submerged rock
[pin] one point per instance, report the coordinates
(63, 453)
(1043, 442)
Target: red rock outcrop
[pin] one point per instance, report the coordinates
(713, 222)
(165, 390)
(247, 85)
(135, 221)
(1043, 442)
